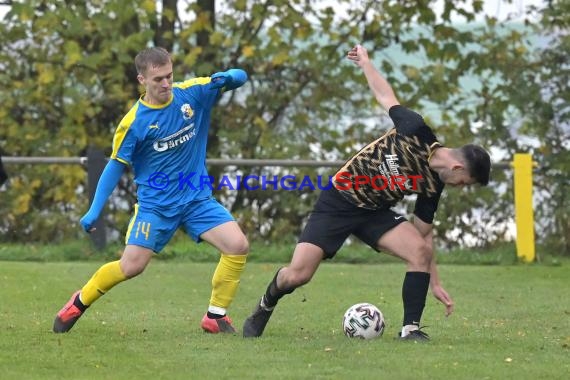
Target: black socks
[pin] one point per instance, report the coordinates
(77, 302)
(414, 293)
(273, 294)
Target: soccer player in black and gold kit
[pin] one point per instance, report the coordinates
(406, 160)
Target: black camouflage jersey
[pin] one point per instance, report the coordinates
(393, 166)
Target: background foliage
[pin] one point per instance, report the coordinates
(68, 77)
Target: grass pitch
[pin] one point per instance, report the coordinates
(511, 322)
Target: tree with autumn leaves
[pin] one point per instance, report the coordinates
(68, 77)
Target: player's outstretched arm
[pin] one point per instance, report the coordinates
(230, 79)
(426, 230)
(107, 183)
(380, 87)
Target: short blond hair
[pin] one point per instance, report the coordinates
(150, 57)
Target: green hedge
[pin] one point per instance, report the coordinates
(188, 251)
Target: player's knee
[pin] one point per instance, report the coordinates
(426, 253)
(297, 278)
(238, 246)
(423, 254)
(131, 271)
(133, 268)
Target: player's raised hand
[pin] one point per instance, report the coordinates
(229, 80)
(219, 79)
(358, 55)
(87, 222)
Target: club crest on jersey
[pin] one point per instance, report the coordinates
(186, 111)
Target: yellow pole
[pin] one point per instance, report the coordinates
(524, 212)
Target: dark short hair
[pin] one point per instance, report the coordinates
(153, 56)
(478, 162)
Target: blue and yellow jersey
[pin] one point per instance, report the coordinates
(166, 144)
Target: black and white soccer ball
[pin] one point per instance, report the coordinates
(364, 321)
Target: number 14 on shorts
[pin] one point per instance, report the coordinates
(143, 228)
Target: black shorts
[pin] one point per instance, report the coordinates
(334, 219)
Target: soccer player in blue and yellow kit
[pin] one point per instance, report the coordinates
(163, 138)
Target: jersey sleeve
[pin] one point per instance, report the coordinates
(125, 138)
(426, 207)
(200, 90)
(410, 123)
(406, 121)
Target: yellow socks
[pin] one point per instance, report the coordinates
(225, 282)
(102, 281)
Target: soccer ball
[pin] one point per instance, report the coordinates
(364, 321)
